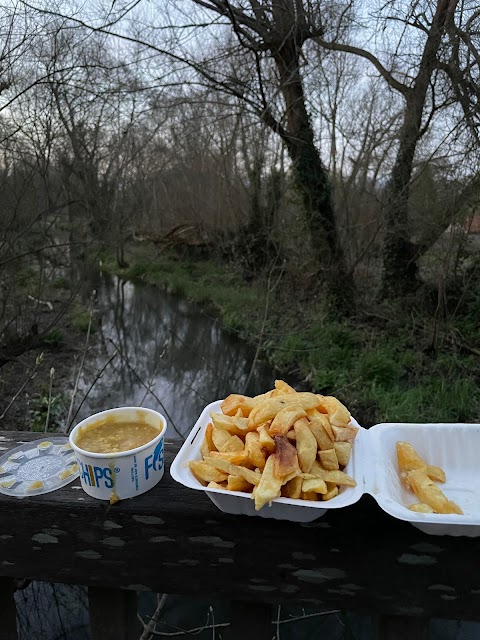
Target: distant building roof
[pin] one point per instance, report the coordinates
(470, 225)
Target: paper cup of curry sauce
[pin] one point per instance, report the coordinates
(124, 474)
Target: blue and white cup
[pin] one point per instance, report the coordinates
(117, 476)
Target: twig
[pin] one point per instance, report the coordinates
(48, 304)
(34, 251)
(47, 419)
(77, 380)
(309, 615)
(99, 375)
(175, 335)
(38, 361)
(277, 622)
(346, 386)
(181, 632)
(262, 330)
(151, 380)
(150, 626)
(197, 630)
(213, 621)
(125, 359)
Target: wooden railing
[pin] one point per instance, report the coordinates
(174, 540)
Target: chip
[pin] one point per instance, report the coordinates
(286, 459)
(419, 477)
(310, 495)
(254, 450)
(343, 451)
(428, 492)
(265, 439)
(285, 419)
(234, 402)
(270, 484)
(235, 457)
(228, 468)
(344, 434)
(209, 437)
(215, 485)
(407, 458)
(293, 488)
(338, 414)
(328, 459)
(234, 425)
(324, 441)
(332, 491)
(219, 439)
(436, 473)
(205, 473)
(284, 387)
(234, 443)
(421, 507)
(306, 445)
(237, 483)
(314, 484)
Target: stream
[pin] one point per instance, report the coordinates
(171, 356)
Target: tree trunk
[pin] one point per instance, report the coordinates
(399, 253)
(312, 182)
(254, 245)
(400, 270)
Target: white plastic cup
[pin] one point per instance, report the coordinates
(125, 474)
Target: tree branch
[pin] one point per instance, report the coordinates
(362, 53)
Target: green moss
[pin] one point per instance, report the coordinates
(81, 320)
(54, 337)
(61, 283)
(39, 409)
(432, 401)
(379, 367)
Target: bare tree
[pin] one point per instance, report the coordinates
(461, 64)
(277, 31)
(400, 252)
(264, 70)
(361, 121)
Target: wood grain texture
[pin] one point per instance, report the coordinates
(174, 540)
(251, 620)
(8, 614)
(113, 614)
(402, 628)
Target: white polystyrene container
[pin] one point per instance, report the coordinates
(125, 474)
(239, 502)
(454, 447)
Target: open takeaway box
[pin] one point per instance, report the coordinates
(373, 465)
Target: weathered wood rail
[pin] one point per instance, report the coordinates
(174, 540)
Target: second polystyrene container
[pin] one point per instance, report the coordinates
(373, 465)
(452, 446)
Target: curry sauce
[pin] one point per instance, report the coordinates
(113, 436)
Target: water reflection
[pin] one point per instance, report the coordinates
(171, 355)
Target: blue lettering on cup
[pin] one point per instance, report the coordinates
(155, 461)
(85, 474)
(105, 474)
(93, 476)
